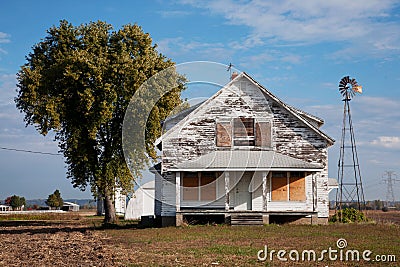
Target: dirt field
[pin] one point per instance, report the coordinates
(79, 241)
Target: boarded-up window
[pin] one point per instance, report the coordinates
(263, 134)
(208, 187)
(190, 183)
(279, 186)
(297, 190)
(224, 130)
(243, 131)
(199, 186)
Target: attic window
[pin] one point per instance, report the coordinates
(243, 132)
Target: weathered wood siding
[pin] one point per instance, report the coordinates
(195, 136)
(157, 193)
(168, 195)
(256, 192)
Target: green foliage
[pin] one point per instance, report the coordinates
(16, 202)
(349, 215)
(55, 200)
(78, 82)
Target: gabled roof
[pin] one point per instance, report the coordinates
(291, 109)
(65, 203)
(303, 116)
(308, 116)
(238, 160)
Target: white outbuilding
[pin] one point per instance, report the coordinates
(142, 203)
(69, 206)
(5, 208)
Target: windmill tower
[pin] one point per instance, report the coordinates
(350, 192)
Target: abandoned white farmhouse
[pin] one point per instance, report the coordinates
(245, 155)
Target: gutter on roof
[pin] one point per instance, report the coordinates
(244, 169)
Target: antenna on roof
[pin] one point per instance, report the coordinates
(230, 69)
(232, 75)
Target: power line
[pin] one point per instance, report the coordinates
(30, 151)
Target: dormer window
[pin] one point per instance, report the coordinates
(243, 132)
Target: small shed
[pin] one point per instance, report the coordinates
(69, 206)
(142, 203)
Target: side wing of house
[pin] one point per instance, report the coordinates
(244, 149)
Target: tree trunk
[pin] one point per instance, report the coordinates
(109, 209)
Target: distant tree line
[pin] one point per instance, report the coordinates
(372, 205)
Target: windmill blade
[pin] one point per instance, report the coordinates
(343, 85)
(348, 87)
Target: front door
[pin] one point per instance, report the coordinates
(242, 193)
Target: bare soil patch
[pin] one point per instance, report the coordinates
(54, 244)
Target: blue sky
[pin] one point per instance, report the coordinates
(299, 50)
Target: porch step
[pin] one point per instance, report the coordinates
(246, 219)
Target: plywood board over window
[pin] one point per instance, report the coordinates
(223, 134)
(199, 186)
(297, 190)
(208, 187)
(190, 183)
(263, 134)
(279, 186)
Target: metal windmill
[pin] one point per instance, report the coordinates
(350, 192)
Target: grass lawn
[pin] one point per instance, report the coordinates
(238, 246)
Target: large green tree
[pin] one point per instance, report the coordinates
(78, 82)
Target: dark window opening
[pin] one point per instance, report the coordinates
(243, 132)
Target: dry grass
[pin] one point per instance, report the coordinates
(40, 216)
(238, 246)
(82, 242)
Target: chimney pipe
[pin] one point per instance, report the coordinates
(234, 75)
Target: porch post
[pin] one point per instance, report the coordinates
(178, 191)
(226, 174)
(264, 190)
(314, 191)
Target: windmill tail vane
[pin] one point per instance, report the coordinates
(358, 89)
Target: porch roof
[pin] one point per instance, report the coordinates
(238, 160)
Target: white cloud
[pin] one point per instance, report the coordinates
(391, 142)
(173, 13)
(7, 89)
(271, 56)
(356, 24)
(4, 38)
(196, 49)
